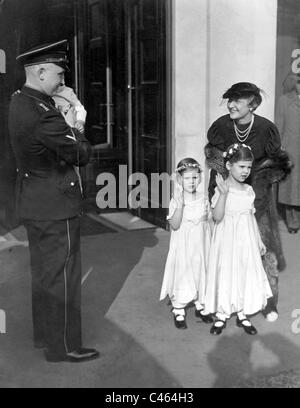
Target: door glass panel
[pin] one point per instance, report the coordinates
(149, 60)
(97, 21)
(150, 116)
(149, 10)
(99, 92)
(102, 79)
(97, 70)
(149, 101)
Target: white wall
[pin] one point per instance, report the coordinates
(190, 87)
(242, 49)
(218, 43)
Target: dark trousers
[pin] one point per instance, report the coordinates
(56, 283)
(270, 266)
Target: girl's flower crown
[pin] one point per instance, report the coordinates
(233, 149)
(187, 166)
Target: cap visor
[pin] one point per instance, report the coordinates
(62, 65)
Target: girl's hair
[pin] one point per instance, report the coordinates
(187, 164)
(238, 152)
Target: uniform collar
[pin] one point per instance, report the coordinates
(37, 94)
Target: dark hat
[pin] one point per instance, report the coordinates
(55, 53)
(242, 90)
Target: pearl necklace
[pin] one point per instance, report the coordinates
(242, 135)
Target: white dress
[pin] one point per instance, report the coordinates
(185, 270)
(236, 279)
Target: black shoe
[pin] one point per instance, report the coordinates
(205, 318)
(293, 230)
(76, 356)
(180, 324)
(248, 329)
(271, 307)
(217, 329)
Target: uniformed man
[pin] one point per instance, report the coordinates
(48, 202)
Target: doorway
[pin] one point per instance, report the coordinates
(149, 140)
(122, 76)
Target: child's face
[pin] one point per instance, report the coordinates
(240, 170)
(190, 180)
(61, 88)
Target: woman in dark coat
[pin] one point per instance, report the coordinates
(288, 122)
(270, 165)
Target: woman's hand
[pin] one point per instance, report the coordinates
(222, 185)
(262, 248)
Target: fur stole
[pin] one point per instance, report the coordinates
(271, 170)
(264, 175)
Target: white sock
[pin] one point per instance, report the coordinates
(222, 317)
(198, 305)
(180, 312)
(241, 316)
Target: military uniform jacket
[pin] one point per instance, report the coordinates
(46, 150)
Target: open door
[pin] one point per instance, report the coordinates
(122, 49)
(149, 136)
(102, 84)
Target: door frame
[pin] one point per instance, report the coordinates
(168, 92)
(80, 43)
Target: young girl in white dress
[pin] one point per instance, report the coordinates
(185, 270)
(236, 280)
